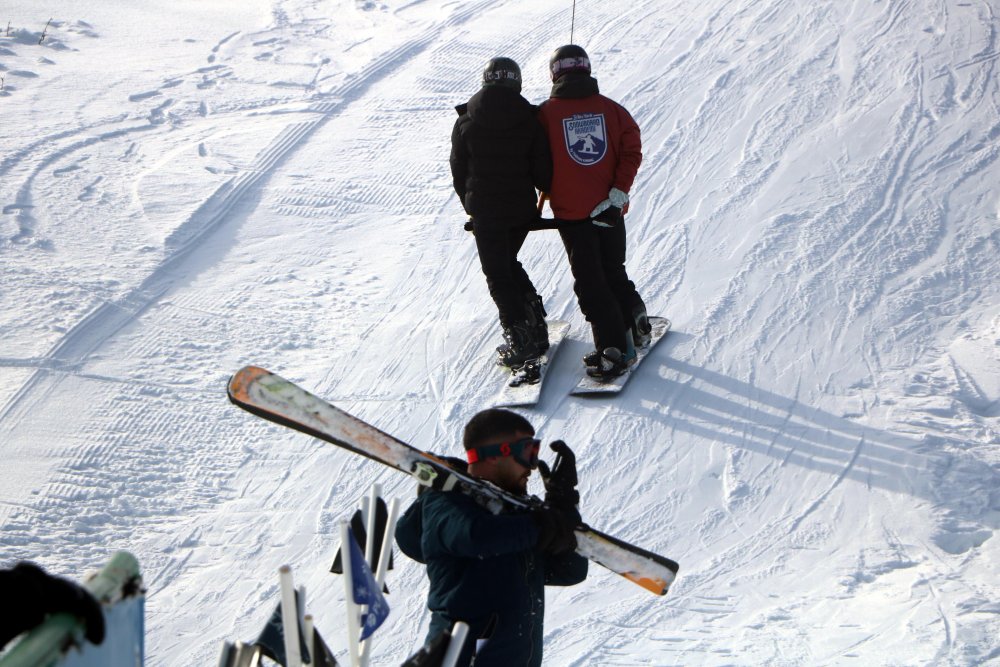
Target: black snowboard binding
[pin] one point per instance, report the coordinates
(642, 330)
(535, 314)
(530, 372)
(610, 365)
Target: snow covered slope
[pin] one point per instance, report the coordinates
(188, 190)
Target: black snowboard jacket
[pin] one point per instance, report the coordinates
(484, 570)
(499, 156)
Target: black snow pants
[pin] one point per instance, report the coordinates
(498, 242)
(606, 295)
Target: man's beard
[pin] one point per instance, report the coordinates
(516, 483)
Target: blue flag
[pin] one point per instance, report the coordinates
(366, 591)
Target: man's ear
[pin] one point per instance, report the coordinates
(484, 467)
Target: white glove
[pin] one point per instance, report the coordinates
(615, 198)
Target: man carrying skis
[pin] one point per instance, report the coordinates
(489, 570)
(499, 156)
(596, 152)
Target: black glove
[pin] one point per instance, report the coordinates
(608, 213)
(609, 217)
(59, 595)
(560, 482)
(555, 530)
(468, 225)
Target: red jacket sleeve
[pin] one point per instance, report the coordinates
(629, 150)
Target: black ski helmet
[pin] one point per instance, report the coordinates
(502, 72)
(569, 58)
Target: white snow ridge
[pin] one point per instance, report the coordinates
(187, 188)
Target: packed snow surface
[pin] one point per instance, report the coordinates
(189, 187)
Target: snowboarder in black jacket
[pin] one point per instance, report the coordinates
(499, 157)
(489, 570)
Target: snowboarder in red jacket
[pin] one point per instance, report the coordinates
(596, 152)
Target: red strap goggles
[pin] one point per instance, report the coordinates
(524, 451)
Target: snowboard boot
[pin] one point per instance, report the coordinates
(593, 358)
(535, 313)
(630, 354)
(519, 346)
(611, 362)
(641, 328)
(610, 365)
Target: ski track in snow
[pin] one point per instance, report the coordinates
(815, 442)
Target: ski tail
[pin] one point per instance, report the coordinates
(652, 571)
(271, 397)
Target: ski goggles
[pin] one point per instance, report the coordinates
(524, 451)
(572, 64)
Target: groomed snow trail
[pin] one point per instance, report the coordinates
(817, 442)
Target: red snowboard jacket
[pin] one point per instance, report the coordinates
(595, 144)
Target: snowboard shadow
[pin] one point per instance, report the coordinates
(716, 407)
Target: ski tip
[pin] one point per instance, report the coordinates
(239, 383)
(652, 584)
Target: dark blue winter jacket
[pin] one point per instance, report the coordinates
(484, 570)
